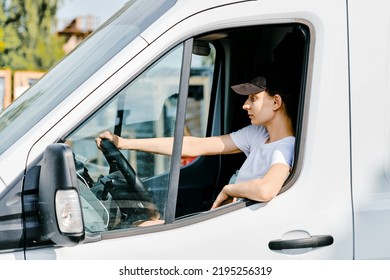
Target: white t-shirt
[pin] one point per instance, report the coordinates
(260, 156)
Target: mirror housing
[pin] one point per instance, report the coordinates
(59, 200)
(201, 48)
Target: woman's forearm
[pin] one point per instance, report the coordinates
(256, 190)
(192, 146)
(260, 189)
(152, 145)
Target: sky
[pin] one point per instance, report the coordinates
(101, 10)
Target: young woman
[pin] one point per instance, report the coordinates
(268, 142)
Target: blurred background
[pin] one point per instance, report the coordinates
(36, 34)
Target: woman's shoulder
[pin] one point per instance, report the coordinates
(286, 142)
(251, 133)
(256, 129)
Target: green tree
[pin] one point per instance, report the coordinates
(27, 34)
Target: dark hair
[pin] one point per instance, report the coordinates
(281, 84)
(288, 62)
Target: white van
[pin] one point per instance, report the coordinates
(164, 68)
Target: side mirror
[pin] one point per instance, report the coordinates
(59, 200)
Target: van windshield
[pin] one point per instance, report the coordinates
(27, 110)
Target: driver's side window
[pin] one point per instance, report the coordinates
(145, 108)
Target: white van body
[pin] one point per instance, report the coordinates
(339, 190)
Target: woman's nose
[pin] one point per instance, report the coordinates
(245, 106)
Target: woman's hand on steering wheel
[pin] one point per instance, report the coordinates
(109, 136)
(118, 162)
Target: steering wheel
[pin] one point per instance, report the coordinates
(118, 162)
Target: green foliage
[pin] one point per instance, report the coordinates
(27, 34)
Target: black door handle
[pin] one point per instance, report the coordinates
(310, 242)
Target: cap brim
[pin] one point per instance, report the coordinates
(247, 89)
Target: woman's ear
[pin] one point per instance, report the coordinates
(277, 102)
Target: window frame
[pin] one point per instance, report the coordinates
(178, 134)
(171, 222)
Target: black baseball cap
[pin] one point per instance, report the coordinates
(274, 81)
(256, 85)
